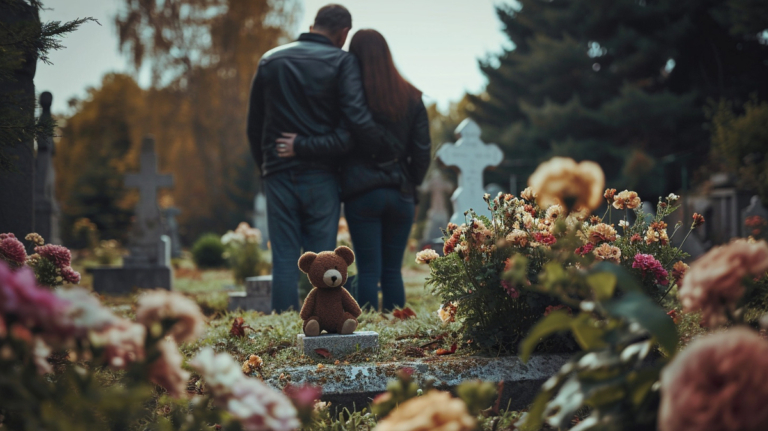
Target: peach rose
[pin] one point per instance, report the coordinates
(718, 383)
(602, 233)
(155, 306)
(713, 284)
(424, 257)
(562, 180)
(626, 199)
(607, 253)
(435, 411)
(166, 371)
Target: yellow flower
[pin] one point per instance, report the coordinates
(434, 411)
(253, 363)
(573, 185)
(626, 199)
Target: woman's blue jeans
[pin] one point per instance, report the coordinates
(380, 223)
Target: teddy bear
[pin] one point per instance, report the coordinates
(329, 306)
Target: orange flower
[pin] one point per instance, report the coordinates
(435, 410)
(698, 220)
(657, 232)
(607, 253)
(609, 194)
(518, 238)
(626, 199)
(573, 185)
(602, 233)
(678, 271)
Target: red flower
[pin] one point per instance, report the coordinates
(585, 249)
(545, 238)
(698, 220)
(510, 289)
(648, 264)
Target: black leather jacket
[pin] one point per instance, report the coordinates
(367, 167)
(312, 88)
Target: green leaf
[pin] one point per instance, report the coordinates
(603, 284)
(625, 281)
(555, 322)
(639, 308)
(533, 420)
(586, 333)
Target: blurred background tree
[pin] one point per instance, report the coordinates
(202, 55)
(622, 82)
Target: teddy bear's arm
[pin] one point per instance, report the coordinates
(308, 309)
(349, 303)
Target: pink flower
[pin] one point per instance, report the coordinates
(713, 284)
(123, 344)
(648, 264)
(33, 306)
(545, 238)
(585, 249)
(155, 306)
(58, 255)
(166, 371)
(12, 250)
(718, 383)
(510, 289)
(70, 275)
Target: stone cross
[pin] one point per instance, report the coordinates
(470, 156)
(46, 209)
(437, 215)
(147, 226)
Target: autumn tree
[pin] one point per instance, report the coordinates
(202, 55)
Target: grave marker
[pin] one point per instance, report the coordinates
(148, 265)
(471, 157)
(260, 218)
(437, 215)
(46, 209)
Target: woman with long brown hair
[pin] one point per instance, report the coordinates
(380, 195)
(378, 185)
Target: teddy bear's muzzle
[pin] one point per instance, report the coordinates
(332, 278)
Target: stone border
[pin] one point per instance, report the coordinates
(348, 385)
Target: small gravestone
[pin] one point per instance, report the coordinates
(471, 157)
(338, 345)
(148, 265)
(172, 225)
(47, 211)
(755, 219)
(260, 218)
(257, 295)
(437, 215)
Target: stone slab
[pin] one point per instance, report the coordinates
(356, 385)
(123, 281)
(259, 286)
(243, 301)
(338, 345)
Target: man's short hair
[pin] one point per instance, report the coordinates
(332, 18)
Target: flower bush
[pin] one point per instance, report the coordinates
(242, 251)
(68, 362)
(51, 263)
(549, 221)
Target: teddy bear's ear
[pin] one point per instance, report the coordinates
(305, 261)
(346, 253)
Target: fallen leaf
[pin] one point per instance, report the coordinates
(238, 329)
(446, 351)
(405, 313)
(324, 353)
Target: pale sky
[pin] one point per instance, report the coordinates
(435, 43)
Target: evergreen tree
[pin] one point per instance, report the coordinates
(23, 41)
(621, 82)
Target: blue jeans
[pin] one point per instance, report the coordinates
(303, 213)
(380, 223)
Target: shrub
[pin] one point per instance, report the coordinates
(208, 252)
(243, 252)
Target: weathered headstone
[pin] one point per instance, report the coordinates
(47, 211)
(172, 226)
(494, 189)
(260, 218)
(257, 295)
(437, 215)
(471, 157)
(17, 170)
(727, 200)
(754, 219)
(147, 266)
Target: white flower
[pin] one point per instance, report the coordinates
(232, 237)
(426, 256)
(86, 312)
(624, 224)
(672, 197)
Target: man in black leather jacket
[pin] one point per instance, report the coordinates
(308, 88)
